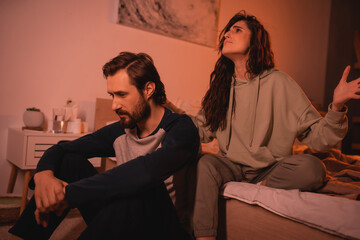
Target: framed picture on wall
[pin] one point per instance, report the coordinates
(190, 20)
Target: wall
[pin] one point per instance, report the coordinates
(345, 19)
(54, 50)
(299, 34)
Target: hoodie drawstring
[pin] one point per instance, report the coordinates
(256, 101)
(231, 114)
(253, 114)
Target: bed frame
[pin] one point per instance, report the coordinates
(240, 221)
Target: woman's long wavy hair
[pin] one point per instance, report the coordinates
(216, 100)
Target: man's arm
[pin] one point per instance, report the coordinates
(49, 190)
(206, 135)
(97, 144)
(179, 146)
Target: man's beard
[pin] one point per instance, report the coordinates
(141, 112)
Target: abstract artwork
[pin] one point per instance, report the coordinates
(190, 20)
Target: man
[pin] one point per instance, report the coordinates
(129, 201)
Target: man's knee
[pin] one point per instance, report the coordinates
(74, 167)
(74, 160)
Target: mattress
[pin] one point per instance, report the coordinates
(335, 215)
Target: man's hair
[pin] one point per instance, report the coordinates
(140, 69)
(216, 100)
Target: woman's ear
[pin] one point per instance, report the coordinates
(149, 89)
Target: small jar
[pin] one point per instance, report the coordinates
(33, 118)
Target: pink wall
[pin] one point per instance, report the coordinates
(54, 50)
(299, 32)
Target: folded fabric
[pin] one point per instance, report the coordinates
(335, 215)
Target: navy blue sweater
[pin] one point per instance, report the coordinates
(179, 145)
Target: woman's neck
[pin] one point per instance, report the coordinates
(240, 71)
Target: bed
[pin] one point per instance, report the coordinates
(250, 211)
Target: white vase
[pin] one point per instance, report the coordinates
(33, 118)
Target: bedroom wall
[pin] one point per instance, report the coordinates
(299, 34)
(345, 20)
(51, 51)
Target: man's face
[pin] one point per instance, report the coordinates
(130, 105)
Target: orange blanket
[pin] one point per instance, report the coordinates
(342, 172)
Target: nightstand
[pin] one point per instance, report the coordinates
(24, 150)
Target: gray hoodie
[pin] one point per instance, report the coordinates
(270, 112)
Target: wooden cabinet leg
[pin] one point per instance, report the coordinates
(12, 179)
(102, 167)
(25, 190)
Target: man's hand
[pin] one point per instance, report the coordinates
(43, 217)
(49, 196)
(345, 91)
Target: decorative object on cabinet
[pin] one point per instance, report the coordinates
(33, 118)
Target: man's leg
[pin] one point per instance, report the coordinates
(212, 173)
(72, 168)
(147, 216)
(305, 172)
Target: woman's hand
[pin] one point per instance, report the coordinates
(345, 91)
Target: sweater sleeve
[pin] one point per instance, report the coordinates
(179, 146)
(205, 134)
(322, 133)
(97, 144)
(199, 120)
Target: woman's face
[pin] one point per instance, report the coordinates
(237, 41)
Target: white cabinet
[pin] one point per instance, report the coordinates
(25, 148)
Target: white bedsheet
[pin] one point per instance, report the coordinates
(336, 215)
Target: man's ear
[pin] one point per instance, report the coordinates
(149, 90)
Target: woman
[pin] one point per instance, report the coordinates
(256, 112)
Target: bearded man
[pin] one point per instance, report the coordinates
(129, 201)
